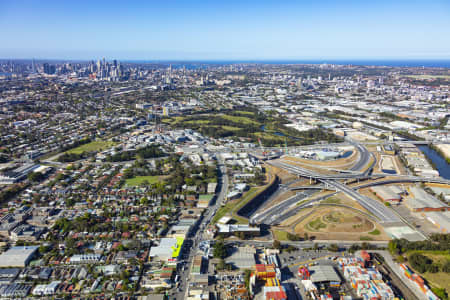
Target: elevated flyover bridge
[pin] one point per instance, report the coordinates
(404, 179)
(293, 205)
(311, 174)
(381, 212)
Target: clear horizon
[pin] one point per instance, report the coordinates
(218, 60)
(232, 30)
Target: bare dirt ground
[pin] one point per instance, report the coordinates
(341, 163)
(337, 223)
(366, 192)
(302, 182)
(284, 176)
(339, 198)
(295, 219)
(334, 222)
(401, 169)
(309, 165)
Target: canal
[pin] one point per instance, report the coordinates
(441, 165)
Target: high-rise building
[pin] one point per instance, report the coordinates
(33, 67)
(49, 69)
(300, 83)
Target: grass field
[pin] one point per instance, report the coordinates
(302, 202)
(222, 211)
(137, 181)
(330, 222)
(232, 128)
(375, 232)
(316, 224)
(252, 193)
(280, 235)
(173, 120)
(243, 124)
(243, 120)
(331, 200)
(97, 145)
(197, 122)
(233, 206)
(242, 112)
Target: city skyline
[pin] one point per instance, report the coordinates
(198, 30)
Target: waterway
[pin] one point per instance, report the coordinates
(441, 165)
(263, 128)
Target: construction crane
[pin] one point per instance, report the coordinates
(264, 153)
(285, 146)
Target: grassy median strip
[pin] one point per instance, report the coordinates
(222, 211)
(233, 206)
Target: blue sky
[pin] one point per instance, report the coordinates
(235, 30)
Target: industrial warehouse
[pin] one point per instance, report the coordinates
(388, 193)
(419, 200)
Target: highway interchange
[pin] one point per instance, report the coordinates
(362, 170)
(291, 206)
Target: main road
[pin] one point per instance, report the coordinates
(199, 233)
(381, 212)
(364, 158)
(271, 214)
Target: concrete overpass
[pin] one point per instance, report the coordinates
(404, 179)
(381, 212)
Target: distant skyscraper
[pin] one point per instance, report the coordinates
(46, 68)
(299, 83)
(49, 69)
(33, 67)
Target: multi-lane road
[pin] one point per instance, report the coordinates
(271, 214)
(199, 235)
(364, 158)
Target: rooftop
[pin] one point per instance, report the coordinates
(18, 256)
(323, 273)
(420, 199)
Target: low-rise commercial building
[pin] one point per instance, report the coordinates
(18, 256)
